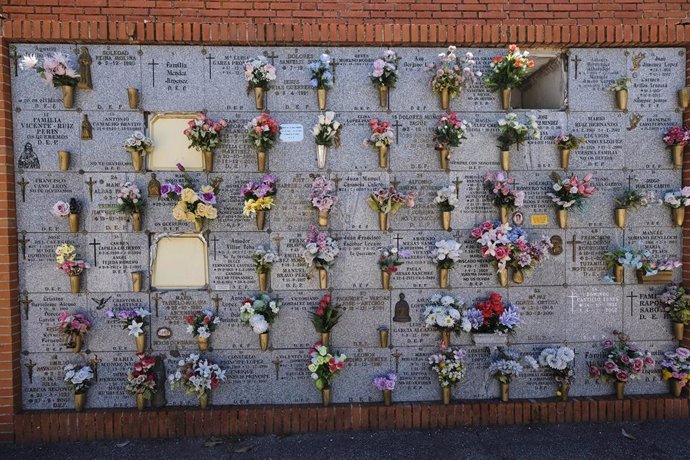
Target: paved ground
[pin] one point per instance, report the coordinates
(632, 441)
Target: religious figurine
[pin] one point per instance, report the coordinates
(402, 311)
(158, 398)
(86, 129)
(85, 62)
(28, 159)
(154, 187)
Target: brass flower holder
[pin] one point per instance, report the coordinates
(208, 161)
(323, 218)
(323, 278)
(565, 158)
(445, 391)
(618, 273)
(505, 160)
(78, 341)
(445, 99)
(326, 396)
(136, 221)
(383, 96)
(518, 277)
(505, 392)
(621, 214)
(203, 401)
(141, 343)
(63, 160)
(326, 339)
(80, 399)
(445, 338)
(263, 341)
(444, 156)
(678, 216)
(73, 222)
(321, 154)
(443, 278)
(684, 97)
(383, 221)
(385, 280)
(445, 220)
(202, 343)
(676, 389)
(383, 156)
(506, 95)
(141, 402)
(563, 391)
(677, 153)
(74, 283)
(504, 214)
(620, 390)
(260, 220)
(622, 99)
(137, 278)
(137, 161)
(67, 96)
(263, 281)
(562, 218)
(133, 98)
(259, 98)
(261, 161)
(503, 278)
(678, 331)
(387, 398)
(321, 97)
(383, 337)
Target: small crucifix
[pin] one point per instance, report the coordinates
(397, 241)
(30, 366)
(277, 362)
(216, 303)
(457, 183)
(395, 182)
(397, 356)
(215, 243)
(156, 298)
(334, 64)
(26, 302)
(632, 298)
(272, 56)
(278, 239)
(22, 243)
(95, 245)
(94, 362)
(572, 298)
(630, 179)
(397, 125)
(574, 243)
(22, 185)
(153, 65)
(210, 59)
(90, 183)
(577, 61)
(336, 180)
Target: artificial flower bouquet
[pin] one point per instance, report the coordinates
(58, 70)
(452, 75)
(559, 360)
(385, 74)
(624, 362)
(262, 133)
(324, 365)
(193, 206)
(449, 132)
(677, 201)
(259, 197)
(620, 87)
(445, 255)
(508, 72)
(204, 135)
(73, 327)
(320, 251)
(449, 366)
(260, 312)
(676, 139)
(133, 320)
(78, 380)
(570, 193)
(390, 258)
(641, 259)
(138, 145)
(129, 202)
(505, 366)
(676, 302)
(263, 260)
(632, 199)
(512, 132)
(676, 368)
(70, 210)
(141, 380)
(323, 198)
(259, 74)
(67, 262)
(565, 142)
(200, 325)
(386, 384)
(446, 199)
(446, 314)
(503, 194)
(325, 317)
(381, 138)
(326, 134)
(389, 201)
(492, 319)
(197, 376)
(321, 78)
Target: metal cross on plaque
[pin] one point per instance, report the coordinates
(156, 298)
(577, 61)
(216, 303)
(90, 183)
(632, 298)
(30, 367)
(22, 243)
(26, 302)
(278, 239)
(397, 356)
(277, 362)
(457, 183)
(397, 126)
(22, 185)
(574, 242)
(153, 65)
(95, 245)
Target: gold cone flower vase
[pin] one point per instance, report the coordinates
(141, 401)
(503, 278)
(678, 216)
(323, 218)
(259, 98)
(137, 161)
(565, 158)
(563, 391)
(321, 97)
(263, 281)
(326, 396)
(620, 215)
(260, 220)
(445, 337)
(202, 343)
(445, 99)
(67, 96)
(505, 211)
(261, 161)
(562, 218)
(136, 221)
(445, 394)
(133, 98)
(383, 156)
(141, 343)
(684, 97)
(74, 283)
(622, 99)
(620, 390)
(137, 281)
(323, 278)
(677, 153)
(80, 399)
(383, 96)
(506, 94)
(444, 157)
(76, 342)
(263, 341)
(203, 401)
(443, 278)
(326, 339)
(385, 280)
(387, 398)
(383, 221)
(676, 389)
(73, 222)
(63, 160)
(505, 160)
(321, 154)
(505, 392)
(518, 277)
(618, 273)
(383, 337)
(445, 220)
(678, 331)
(208, 160)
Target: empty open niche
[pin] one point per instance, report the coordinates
(546, 85)
(179, 261)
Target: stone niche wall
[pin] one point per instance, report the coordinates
(565, 300)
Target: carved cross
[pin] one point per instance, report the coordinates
(397, 125)
(215, 242)
(334, 64)
(397, 356)
(210, 59)
(90, 183)
(272, 56)
(30, 366)
(26, 302)
(216, 302)
(156, 298)
(22, 243)
(630, 179)
(22, 185)
(278, 239)
(572, 298)
(95, 245)
(397, 239)
(577, 61)
(395, 182)
(277, 362)
(336, 180)
(457, 183)
(153, 65)
(94, 362)
(574, 243)
(632, 298)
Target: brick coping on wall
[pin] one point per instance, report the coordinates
(50, 426)
(116, 424)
